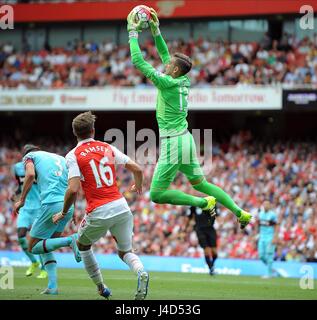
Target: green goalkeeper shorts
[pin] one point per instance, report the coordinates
(176, 154)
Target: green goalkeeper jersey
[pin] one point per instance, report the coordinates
(172, 98)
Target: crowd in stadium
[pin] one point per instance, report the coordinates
(251, 171)
(87, 64)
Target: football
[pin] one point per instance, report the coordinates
(143, 14)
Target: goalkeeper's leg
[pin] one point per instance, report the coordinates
(159, 193)
(167, 167)
(222, 197)
(195, 175)
(202, 185)
(177, 197)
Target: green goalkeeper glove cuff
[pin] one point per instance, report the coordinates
(133, 34)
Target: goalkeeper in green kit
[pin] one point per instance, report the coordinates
(178, 150)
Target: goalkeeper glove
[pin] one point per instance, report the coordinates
(133, 27)
(154, 23)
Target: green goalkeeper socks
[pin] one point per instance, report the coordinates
(177, 197)
(221, 196)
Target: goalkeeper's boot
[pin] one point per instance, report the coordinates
(32, 268)
(143, 284)
(244, 219)
(104, 292)
(211, 205)
(42, 275)
(52, 291)
(74, 247)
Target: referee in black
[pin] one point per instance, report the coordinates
(206, 233)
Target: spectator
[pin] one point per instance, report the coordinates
(250, 170)
(87, 64)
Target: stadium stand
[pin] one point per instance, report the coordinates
(289, 61)
(284, 172)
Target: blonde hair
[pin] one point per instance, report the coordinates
(83, 125)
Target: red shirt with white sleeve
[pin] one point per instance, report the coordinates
(94, 162)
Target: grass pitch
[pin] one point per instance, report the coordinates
(74, 284)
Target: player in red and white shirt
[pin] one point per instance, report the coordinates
(91, 164)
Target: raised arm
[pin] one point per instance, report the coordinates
(159, 80)
(160, 43)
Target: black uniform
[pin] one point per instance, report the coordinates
(204, 227)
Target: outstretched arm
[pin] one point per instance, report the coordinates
(137, 58)
(162, 49)
(160, 80)
(160, 43)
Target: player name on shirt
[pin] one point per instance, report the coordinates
(97, 148)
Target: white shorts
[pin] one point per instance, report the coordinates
(94, 226)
